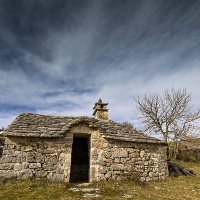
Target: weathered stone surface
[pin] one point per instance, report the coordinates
(26, 148)
(25, 165)
(9, 159)
(55, 177)
(18, 167)
(30, 157)
(25, 173)
(49, 151)
(40, 158)
(108, 175)
(41, 173)
(6, 166)
(51, 160)
(7, 173)
(121, 153)
(41, 146)
(34, 165)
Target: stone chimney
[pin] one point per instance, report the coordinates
(100, 110)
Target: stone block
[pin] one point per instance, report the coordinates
(118, 167)
(26, 148)
(7, 173)
(146, 163)
(34, 165)
(17, 153)
(150, 174)
(120, 153)
(25, 165)
(18, 147)
(51, 160)
(117, 160)
(8, 152)
(40, 174)
(18, 167)
(6, 166)
(148, 178)
(49, 151)
(10, 146)
(108, 175)
(39, 158)
(8, 159)
(142, 179)
(55, 177)
(135, 154)
(142, 153)
(48, 167)
(30, 157)
(24, 174)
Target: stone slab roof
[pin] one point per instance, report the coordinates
(36, 125)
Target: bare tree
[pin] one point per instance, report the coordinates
(170, 115)
(128, 125)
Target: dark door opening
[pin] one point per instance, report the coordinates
(80, 160)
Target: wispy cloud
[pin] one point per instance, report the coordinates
(59, 57)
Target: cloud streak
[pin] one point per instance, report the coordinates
(59, 57)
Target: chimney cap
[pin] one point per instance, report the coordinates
(100, 110)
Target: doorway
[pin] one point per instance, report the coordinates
(80, 160)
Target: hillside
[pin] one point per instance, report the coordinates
(189, 150)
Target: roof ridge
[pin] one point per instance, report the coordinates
(47, 115)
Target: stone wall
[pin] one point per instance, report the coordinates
(28, 157)
(36, 158)
(122, 160)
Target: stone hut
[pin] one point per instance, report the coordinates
(79, 149)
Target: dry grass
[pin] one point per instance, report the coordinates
(183, 187)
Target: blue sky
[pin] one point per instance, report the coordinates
(58, 57)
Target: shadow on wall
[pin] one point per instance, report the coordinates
(1, 146)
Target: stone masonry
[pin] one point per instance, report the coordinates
(40, 146)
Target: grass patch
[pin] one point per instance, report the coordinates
(182, 187)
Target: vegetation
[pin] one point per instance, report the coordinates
(188, 150)
(128, 125)
(182, 187)
(170, 115)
